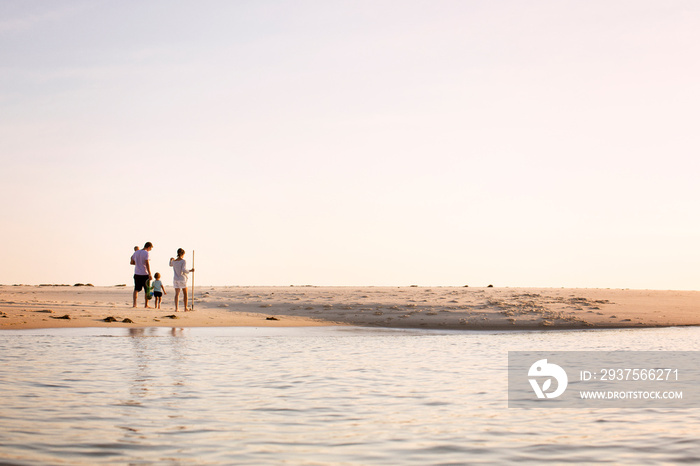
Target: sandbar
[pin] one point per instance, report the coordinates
(447, 308)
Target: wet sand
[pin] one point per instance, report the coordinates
(23, 307)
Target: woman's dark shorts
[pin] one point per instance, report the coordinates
(140, 282)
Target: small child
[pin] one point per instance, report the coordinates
(158, 290)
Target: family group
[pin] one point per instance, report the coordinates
(142, 276)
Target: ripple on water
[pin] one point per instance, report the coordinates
(304, 396)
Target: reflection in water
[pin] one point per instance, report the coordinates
(157, 379)
(254, 396)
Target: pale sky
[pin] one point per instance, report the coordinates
(513, 143)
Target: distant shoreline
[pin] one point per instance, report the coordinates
(447, 308)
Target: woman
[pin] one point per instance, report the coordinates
(179, 266)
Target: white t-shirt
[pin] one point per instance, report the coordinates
(180, 273)
(140, 257)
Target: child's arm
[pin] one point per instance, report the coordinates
(163, 288)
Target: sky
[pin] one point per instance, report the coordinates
(378, 143)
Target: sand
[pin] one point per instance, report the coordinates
(26, 307)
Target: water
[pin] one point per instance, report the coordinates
(313, 396)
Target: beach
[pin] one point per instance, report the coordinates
(446, 308)
(343, 375)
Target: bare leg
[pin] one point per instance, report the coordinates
(184, 292)
(136, 295)
(177, 297)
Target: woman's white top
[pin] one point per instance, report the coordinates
(180, 273)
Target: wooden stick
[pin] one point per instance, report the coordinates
(192, 307)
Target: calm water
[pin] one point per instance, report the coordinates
(313, 396)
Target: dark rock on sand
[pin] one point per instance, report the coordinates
(272, 318)
(110, 319)
(128, 321)
(66, 317)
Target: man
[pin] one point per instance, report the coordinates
(142, 270)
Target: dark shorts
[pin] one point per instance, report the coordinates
(157, 294)
(140, 282)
